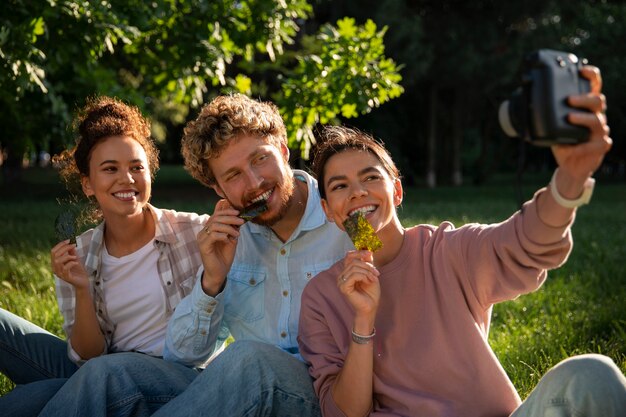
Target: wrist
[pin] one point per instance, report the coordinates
(363, 339)
(569, 192)
(210, 287)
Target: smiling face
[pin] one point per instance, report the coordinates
(355, 180)
(119, 176)
(249, 170)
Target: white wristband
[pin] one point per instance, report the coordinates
(584, 198)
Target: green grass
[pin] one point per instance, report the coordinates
(580, 309)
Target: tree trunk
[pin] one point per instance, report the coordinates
(456, 168)
(431, 144)
(11, 166)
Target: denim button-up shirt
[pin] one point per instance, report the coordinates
(261, 299)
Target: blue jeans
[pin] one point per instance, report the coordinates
(247, 379)
(35, 360)
(586, 385)
(120, 384)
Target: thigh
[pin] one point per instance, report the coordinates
(249, 379)
(29, 399)
(29, 353)
(120, 384)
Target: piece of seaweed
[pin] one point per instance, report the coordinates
(362, 233)
(65, 226)
(253, 210)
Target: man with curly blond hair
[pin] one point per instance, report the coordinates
(253, 272)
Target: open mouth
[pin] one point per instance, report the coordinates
(263, 197)
(253, 210)
(365, 210)
(125, 195)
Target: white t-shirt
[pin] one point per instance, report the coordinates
(134, 300)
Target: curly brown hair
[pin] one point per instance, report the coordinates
(101, 118)
(224, 119)
(336, 139)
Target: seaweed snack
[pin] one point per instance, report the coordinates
(253, 210)
(361, 232)
(65, 226)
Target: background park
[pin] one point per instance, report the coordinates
(426, 77)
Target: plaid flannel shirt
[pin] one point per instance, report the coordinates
(178, 264)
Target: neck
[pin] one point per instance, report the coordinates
(392, 237)
(125, 235)
(285, 227)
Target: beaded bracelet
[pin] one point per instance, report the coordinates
(363, 340)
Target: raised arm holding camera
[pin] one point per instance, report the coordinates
(403, 330)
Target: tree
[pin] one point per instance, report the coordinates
(169, 56)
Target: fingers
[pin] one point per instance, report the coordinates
(593, 75)
(60, 254)
(65, 262)
(594, 102)
(222, 226)
(357, 268)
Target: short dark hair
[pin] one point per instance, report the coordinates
(336, 139)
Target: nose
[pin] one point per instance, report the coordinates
(126, 176)
(357, 190)
(253, 179)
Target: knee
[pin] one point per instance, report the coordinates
(249, 359)
(250, 351)
(591, 367)
(111, 364)
(591, 374)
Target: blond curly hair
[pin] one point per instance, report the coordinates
(224, 119)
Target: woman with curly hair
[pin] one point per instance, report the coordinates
(119, 283)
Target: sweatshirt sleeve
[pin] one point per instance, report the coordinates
(318, 346)
(501, 261)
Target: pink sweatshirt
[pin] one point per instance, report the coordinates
(431, 354)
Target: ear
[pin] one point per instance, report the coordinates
(398, 192)
(284, 151)
(86, 185)
(327, 211)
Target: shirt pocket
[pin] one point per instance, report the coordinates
(244, 297)
(309, 272)
(187, 285)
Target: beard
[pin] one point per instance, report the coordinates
(285, 194)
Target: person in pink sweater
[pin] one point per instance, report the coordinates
(403, 331)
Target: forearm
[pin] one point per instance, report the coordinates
(86, 338)
(353, 388)
(194, 328)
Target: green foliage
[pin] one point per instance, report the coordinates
(345, 74)
(56, 54)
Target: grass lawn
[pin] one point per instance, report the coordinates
(580, 309)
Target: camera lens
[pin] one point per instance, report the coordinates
(504, 118)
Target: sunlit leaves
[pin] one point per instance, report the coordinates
(185, 52)
(344, 74)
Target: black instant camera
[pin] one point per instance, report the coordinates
(537, 110)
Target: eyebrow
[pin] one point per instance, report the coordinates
(361, 172)
(113, 161)
(251, 156)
